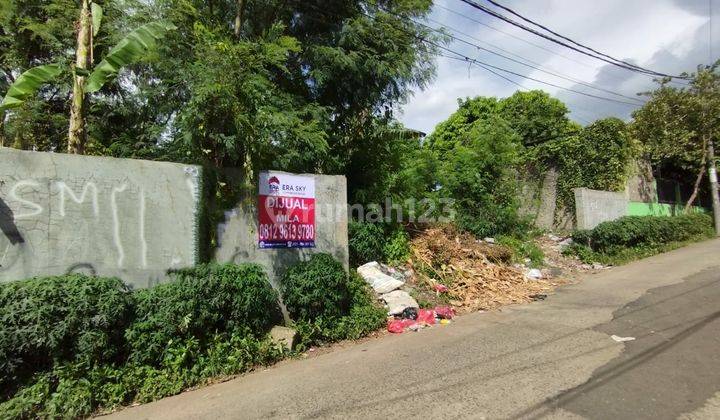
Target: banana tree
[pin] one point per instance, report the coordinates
(86, 77)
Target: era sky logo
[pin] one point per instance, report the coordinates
(274, 184)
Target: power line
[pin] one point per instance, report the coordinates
(536, 66)
(485, 64)
(555, 53)
(514, 36)
(601, 57)
(509, 10)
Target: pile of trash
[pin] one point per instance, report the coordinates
(403, 310)
(475, 274)
(414, 319)
(387, 283)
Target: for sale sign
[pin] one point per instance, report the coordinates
(286, 210)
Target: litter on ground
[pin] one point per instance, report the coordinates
(621, 339)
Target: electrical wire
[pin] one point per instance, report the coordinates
(485, 64)
(545, 28)
(617, 63)
(536, 66)
(489, 66)
(541, 47)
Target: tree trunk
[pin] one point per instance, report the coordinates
(239, 17)
(77, 134)
(712, 170)
(699, 178)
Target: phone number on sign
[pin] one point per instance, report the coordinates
(287, 232)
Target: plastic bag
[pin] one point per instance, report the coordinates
(426, 316)
(445, 312)
(397, 326)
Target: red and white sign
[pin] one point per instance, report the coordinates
(286, 210)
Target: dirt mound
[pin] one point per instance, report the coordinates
(477, 274)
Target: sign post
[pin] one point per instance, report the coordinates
(286, 210)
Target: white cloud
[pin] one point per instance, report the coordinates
(665, 35)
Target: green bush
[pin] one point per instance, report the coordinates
(72, 344)
(200, 302)
(60, 319)
(76, 390)
(364, 316)
(366, 242)
(522, 249)
(397, 247)
(639, 231)
(382, 242)
(317, 288)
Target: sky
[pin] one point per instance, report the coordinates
(668, 36)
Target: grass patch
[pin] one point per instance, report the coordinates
(621, 256)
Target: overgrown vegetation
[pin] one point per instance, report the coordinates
(633, 237)
(73, 345)
(327, 303)
(383, 242)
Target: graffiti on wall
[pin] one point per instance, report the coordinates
(98, 225)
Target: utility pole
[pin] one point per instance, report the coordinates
(712, 170)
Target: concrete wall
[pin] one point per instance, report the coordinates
(593, 207)
(538, 198)
(641, 186)
(63, 213)
(238, 235)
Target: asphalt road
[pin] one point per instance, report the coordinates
(549, 359)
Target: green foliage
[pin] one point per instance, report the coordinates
(202, 301)
(76, 390)
(639, 231)
(73, 344)
(60, 319)
(129, 50)
(523, 248)
(366, 242)
(456, 128)
(599, 156)
(27, 84)
(397, 247)
(535, 116)
(317, 288)
(674, 124)
(478, 174)
(363, 317)
(382, 242)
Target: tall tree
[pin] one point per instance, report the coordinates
(77, 133)
(679, 127)
(129, 50)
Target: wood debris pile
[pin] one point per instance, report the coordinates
(478, 275)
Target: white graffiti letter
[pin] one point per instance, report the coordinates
(116, 223)
(63, 188)
(143, 242)
(37, 209)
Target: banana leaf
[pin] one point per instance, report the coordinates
(27, 85)
(128, 51)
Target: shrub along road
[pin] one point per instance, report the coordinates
(552, 358)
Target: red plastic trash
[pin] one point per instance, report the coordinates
(440, 288)
(397, 326)
(445, 312)
(426, 316)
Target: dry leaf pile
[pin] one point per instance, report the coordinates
(478, 275)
